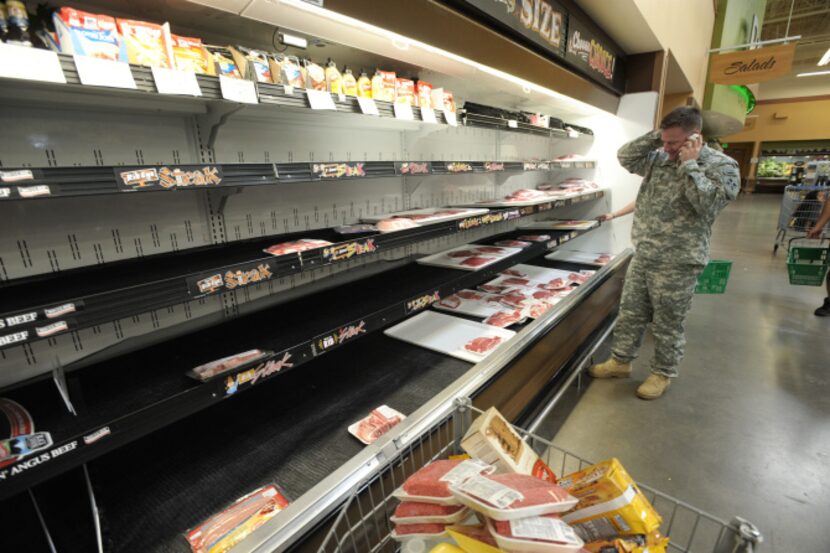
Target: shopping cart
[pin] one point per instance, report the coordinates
(363, 525)
(800, 209)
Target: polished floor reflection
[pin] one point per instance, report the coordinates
(745, 430)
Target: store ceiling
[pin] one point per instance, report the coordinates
(811, 20)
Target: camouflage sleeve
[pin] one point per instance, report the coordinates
(635, 156)
(708, 194)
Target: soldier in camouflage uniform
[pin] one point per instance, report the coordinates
(685, 185)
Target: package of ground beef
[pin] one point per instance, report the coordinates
(542, 534)
(512, 496)
(431, 483)
(414, 512)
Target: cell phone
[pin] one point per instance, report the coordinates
(693, 136)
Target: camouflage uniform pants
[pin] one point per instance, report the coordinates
(660, 294)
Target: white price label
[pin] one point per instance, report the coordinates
(543, 528)
(15, 176)
(494, 493)
(450, 117)
(20, 62)
(513, 124)
(428, 115)
(465, 470)
(288, 89)
(341, 97)
(238, 90)
(99, 72)
(403, 111)
(5, 193)
(320, 99)
(368, 106)
(34, 191)
(172, 81)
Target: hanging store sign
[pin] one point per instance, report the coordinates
(168, 177)
(541, 21)
(592, 55)
(752, 66)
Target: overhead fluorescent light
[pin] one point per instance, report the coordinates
(825, 59)
(291, 40)
(813, 74)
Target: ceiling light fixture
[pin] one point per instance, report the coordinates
(825, 59)
(813, 74)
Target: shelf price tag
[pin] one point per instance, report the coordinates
(100, 72)
(428, 115)
(341, 97)
(288, 89)
(513, 124)
(238, 90)
(20, 62)
(172, 81)
(450, 117)
(368, 106)
(403, 111)
(320, 99)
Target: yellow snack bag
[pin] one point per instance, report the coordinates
(653, 543)
(610, 503)
(147, 43)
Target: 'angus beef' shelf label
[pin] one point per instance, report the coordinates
(422, 302)
(337, 170)
(339, 252)
(168, 177)
(231, 278)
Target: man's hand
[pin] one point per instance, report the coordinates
(691, 148)
(815, 232)
(605, 217)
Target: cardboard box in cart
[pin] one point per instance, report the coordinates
(493, 440)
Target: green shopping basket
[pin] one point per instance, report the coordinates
(807, 266)
(714, 277)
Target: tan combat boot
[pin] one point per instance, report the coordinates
(654, 386)
(610, 369)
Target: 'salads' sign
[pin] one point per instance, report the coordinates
(752, 66)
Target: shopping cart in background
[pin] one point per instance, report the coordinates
(800, 209)
(363, 524)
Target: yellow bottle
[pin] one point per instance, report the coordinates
(364, 85)
(349, 83)
(334, 81)
(377, 86)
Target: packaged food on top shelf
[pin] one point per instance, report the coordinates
(424, 94)
(364, 85)
(296, 246)
(395, 223)
(492, 439)
(190, 55)
(376, 424)
(86, 34)
(334, 80)
(542, 534)
(436, 98)
(292, 74)
(315, 76)
(349, 82)
(247, 58)
(17, 23)
(223, 61)
(146, 43)
(219, 366)
(383, 86)
(610, 503)
(224, 530)
(405, 92)
(512, 496)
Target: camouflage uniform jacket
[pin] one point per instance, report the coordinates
(678, 201)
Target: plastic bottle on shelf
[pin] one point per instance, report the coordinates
(334, 80)
(349, 82)
(364, 85)
(18, 23)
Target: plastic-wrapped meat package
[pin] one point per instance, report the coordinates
(512, 496)
(378, 423)
(504, 319)
(415, 509)
(477, 261)
(430, 529)
(223, 531)
(394, 224)
(434, 479)
(513, 243)
(538, 531)
(535, 237)
(483, 344)
(219, 366)
(579, 278)
(296, 246)
(514, 298)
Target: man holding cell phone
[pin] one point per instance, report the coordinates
(685, 186)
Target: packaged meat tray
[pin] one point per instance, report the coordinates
(220, 366)
(471, 302)
(404, 532)
(460, 338)
(429, 215)
(536, 278)
(296, 246)
(584, 258)
(223, 531)
(512, 496)
(376, 424)
(543, 534)
(560, 225)
(413, 512)
(469, 257)
(433, 480)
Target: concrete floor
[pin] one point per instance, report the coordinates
(745, 430)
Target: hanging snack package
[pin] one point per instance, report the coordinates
(405, 92)
(423, 91)
(275, 66)
(383, 86)
(87, 34)
(222, 59)
(224, 530)
(292, 74)
(190, 55)
(493, 440)
(316, 76)
(146, 43)
(610, 503)
(247, 60)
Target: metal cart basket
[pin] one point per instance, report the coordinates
(800, 209)
(363, 525)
